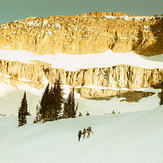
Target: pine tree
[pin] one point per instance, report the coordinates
(161, 97)
(73, 108)
(161, 94)
(113, 112)
(66, 110)
(69, 106)
(56, 100)
(51, 103)
(44, 104)
(23, 112)
(37, 114)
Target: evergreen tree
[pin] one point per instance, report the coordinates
(69, 106)
(44, 104)
(161, 97)
(56, 100)
(51, 103)
(161, 94)
(23, 112)
(37, 114)
(66, 110)
(113, 112)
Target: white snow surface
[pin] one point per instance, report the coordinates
(76, 62)
(10, 100)
(121, 138)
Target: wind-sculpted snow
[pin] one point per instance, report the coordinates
(120, 138)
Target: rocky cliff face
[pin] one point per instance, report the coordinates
(89, 83)
(120, 76)
(85, 34)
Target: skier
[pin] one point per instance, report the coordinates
(84, 132)
(79, 135)
(89, 130)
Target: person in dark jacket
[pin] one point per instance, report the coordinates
(84, 133)
(79, 135)
(87, 114)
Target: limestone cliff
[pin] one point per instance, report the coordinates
(89, 83)
(120, 76)
(85, 34)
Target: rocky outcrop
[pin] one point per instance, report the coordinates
(16, 73)
(107, 94)
(120, 76)
(85, 34)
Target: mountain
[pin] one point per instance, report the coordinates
(102, 55)
(85, 34)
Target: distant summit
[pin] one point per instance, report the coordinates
(90, 33)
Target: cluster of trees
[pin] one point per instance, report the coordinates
(52, 105)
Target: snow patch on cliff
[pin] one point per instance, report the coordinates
(76, 62)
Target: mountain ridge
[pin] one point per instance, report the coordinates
(85, 34)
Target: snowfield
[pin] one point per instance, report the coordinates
(75, 62)
(121, 138)
(10, 100)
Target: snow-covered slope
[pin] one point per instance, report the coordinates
(120, 138)
(10, 100)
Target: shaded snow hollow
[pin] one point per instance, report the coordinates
(121, 138)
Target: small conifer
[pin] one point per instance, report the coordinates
(23, 112)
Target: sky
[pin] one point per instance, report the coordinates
(11, 10)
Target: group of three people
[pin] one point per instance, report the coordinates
(85, 131)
